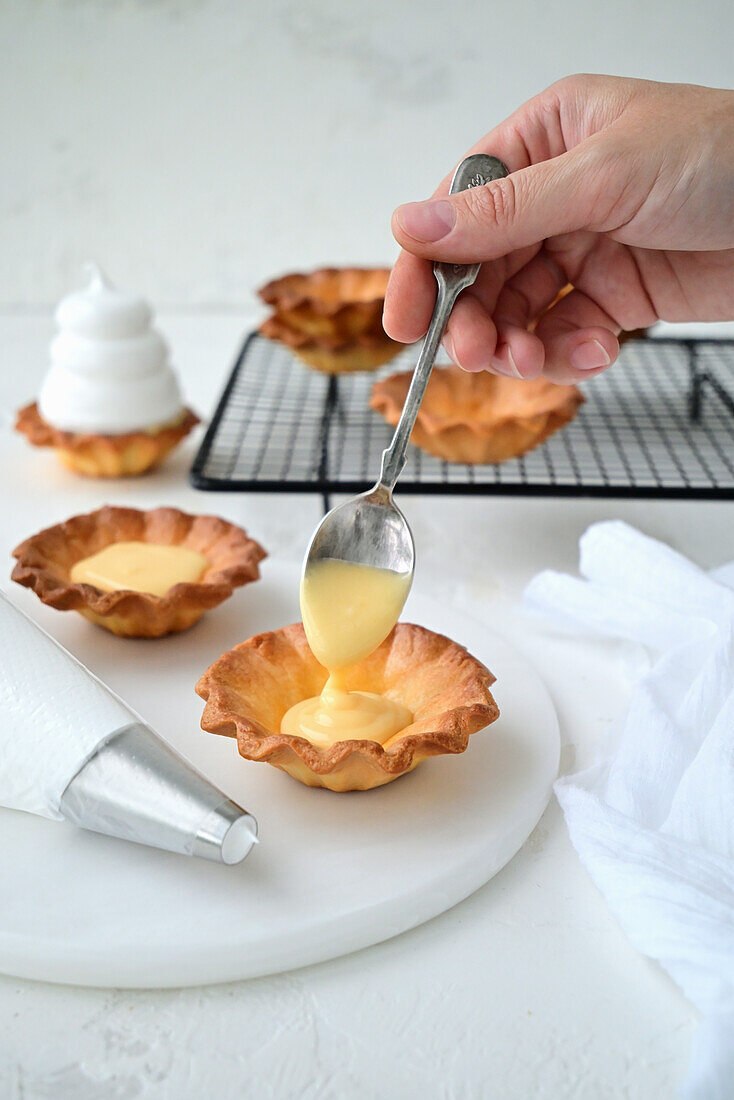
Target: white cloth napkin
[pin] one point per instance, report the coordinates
(654, 824)
(54, 714)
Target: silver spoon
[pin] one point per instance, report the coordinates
(370, 529)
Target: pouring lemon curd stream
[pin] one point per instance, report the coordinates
(348, 609)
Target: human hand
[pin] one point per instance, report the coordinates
(623, 188)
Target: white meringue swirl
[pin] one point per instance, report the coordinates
(109, 369)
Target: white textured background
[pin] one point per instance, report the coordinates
(197, 146)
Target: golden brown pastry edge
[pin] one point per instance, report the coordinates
(45, 559)
(458, 438)
(408, 647)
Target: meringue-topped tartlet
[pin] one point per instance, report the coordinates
(109, 366)
(111, 404)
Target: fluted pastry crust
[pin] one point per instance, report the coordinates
(45, 560)
(249, 689)
(125, 455)
(479, 417)
(331, 300)
(331, 318)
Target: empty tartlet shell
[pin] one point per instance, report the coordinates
(249, 689)
(333, 355)
(45, 560)
(97, 455)
(331, 319)
(340, 303)
(480, 417)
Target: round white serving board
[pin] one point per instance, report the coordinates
(332, 873)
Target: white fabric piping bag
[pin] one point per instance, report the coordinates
(70, 748)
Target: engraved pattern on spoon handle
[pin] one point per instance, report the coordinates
(474, 171)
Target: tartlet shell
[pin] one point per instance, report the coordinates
(479, 417)
(330, 299)
(333, 355)
(250, 687)
(331, 319)
(96, 455)
(44, 562)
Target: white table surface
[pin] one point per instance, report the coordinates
(527, 989)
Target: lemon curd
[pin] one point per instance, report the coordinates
(348, 610)
(140, 566)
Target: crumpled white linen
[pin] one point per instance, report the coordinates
(654, 824)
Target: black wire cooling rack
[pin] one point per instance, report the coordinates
(660, 423)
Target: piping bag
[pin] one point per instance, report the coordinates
(71, 749)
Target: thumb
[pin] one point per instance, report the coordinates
(553, 197)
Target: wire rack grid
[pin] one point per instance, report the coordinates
(659, 424)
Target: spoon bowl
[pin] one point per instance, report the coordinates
(369, 530)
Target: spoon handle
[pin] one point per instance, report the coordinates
(474, 171)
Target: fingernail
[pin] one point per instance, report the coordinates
(589, 356)
(426, 221)
(449, 349)
(504, 363)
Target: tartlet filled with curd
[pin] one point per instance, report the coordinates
(439, 692)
